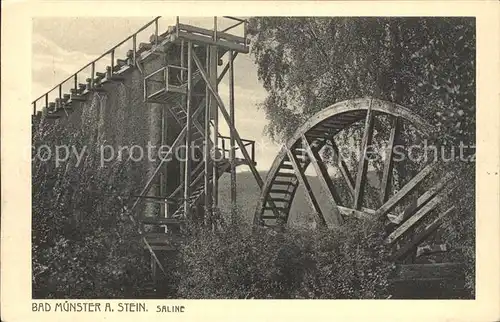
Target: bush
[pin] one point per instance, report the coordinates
(347, 262)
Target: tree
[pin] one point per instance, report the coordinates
(426, 64)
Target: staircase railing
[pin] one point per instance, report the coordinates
(226, 150)
(111, 52)
(92, 64)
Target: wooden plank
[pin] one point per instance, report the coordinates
(280, 191)
(389, 162)
(363, 162)
(364, 213)
(279, 199)
(427, 208)
(309, 193)
(421, 236)
(281, 182)
(326, 183)
(209, 33)
(423, 199)
(427, 272)
(346, 174)
(285, 174)
(392, 202)
(206, 40)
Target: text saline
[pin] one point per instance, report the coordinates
(170, 308)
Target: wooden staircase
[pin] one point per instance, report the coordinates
(165, 233)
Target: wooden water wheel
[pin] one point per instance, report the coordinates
(388, 184)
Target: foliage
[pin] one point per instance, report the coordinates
(80, 246)
(347, 262)
(307, 64)
(426, 64)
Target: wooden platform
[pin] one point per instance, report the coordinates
(428, 281)
(427, 272)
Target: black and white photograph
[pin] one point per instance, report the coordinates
(253, 158)
(273, 157)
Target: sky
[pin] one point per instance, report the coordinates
(62, 45)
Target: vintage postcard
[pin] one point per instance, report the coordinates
(250, 161)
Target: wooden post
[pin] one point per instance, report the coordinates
(187, 168)
(177, 26)
(231, 138)
(207, 147)
(112, 61)
(182, 60)
(153, 270)
(245, 32)
(326, 182)
(388, 162)
(343, 167)
(134, 45)
(92, 72)
(215, 28)
(163, 175)
(156, 32)
(212, 75)
(307, 187)
(253, 151)
(363, 163)
(76, 81)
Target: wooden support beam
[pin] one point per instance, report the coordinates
(335, 219)
(423, 199)
(388, 162)
(363, 162)
(309, 193)
(211, 79)
(427, 208)
(421, 236)
(393, 201)
(189, 125)
(231, 140)
(203, 40)
(363, 213)
(208, 32)
(346, 174)
(207, 148)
